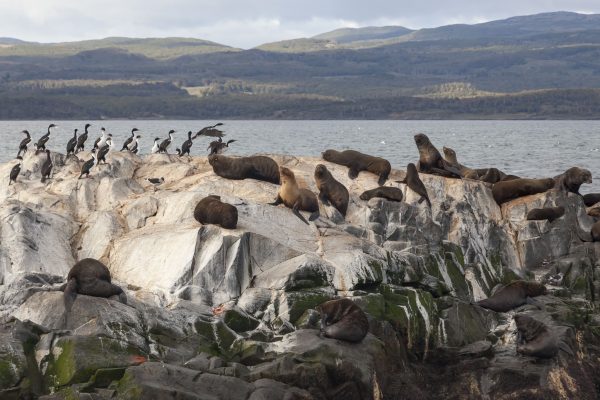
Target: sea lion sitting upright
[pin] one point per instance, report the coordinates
(342, 319)
(549, 213)
(386, 192)
(513, 295)
(572, 179)
(415, 183)
(298, 199)
(504, 191)
(331, 190)
(90, 277)
(211, 210)
(261, 168)
(591, 199)
(450, 157)
(357, 162)
(431, 161)
(535, 338)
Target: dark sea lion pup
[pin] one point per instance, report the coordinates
(330, 190)
(591, 199)
(298, 199)
(431, 161)
(549, 213)
(357, 162)
(513, 295)
(415, 183)
(572, 179)
(535, 338)
(90, 277)
(385, 192)
(504, 191)
(261, 168)
(342, 319)
(211, 210)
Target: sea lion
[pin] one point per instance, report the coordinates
(386, 192)
(342, 319)
(450, 157)
(549, 213)
(415, 183)
(535, 338)
(596, 232)
(513, 295)
(504, 191)
(591, 199)
(211, 210)
(572, 179)
(431, 161)
(261, 168)
(331, 190)
(359, 162)
(594, 212)
(90, 277)
(298, 199)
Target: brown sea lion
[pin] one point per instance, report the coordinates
(504, 191)
(549, 213)
(386, 192)
(261, 168)
(298, 199)
(415, 183)
(430, 159)
(465, 172)
(513, 295)
(572, 179)
(594, 212)
(331, 190)
(357, 162)
(535, 338)
(90, 277)
(596, 232)
(342, 319)
(211, 210)
(591, 199)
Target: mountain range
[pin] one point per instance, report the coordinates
(538, 66)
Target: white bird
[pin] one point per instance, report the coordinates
(156, 147)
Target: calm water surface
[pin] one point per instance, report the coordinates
(524, 148)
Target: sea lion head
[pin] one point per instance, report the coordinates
(411, 169)
(578, 176)
(328, 155)
(449, 154)
(286, 175)
(535, 289)
(214, 159)
(366, 195)
(421, 140)
(321, 172)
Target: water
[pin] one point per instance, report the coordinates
(526, 148)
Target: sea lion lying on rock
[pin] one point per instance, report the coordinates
(92, 278)
(513, 295)
(535, 338)
(549, 213)
(298, 199)
(261, 168)
(431, 161)
(591, 199)
(357, 162)
(465, 172)
(572, 179)
(504, 191)
(342, 319)
(211, 210)
(385, 192)
(330, 190)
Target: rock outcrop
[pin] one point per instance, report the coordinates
(230, 314)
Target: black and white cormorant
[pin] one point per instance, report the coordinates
(156, 147)
(14, 172)
(82, 138)
(187, 145)
(101, 141)
(129, 139)
(164, 146)
(210, 131)
(41, 143)
(87, 166)
(46, 167)
(104, 151)
(72, 143)
(133, 147)
(24, 143)
(218, 146)
(178, 151)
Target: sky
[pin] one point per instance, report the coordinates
(248, 23)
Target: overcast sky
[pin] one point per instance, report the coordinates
(247, 23)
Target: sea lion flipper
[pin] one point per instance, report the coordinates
(314, 215)
(277, 201)
(422, 199)
(353, 173)
(297, 214)
(382, 179)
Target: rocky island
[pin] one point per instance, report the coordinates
(213, 313)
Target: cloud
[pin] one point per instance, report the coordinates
(247, 23)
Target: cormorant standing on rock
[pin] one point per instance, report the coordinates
(87, 166)
(72, 143)
(164, 146)
(46, 167)
(218, 146)
(101, 141)
(185, 147)
(41, 144)
(156, 147)
(14, 172)
(82, 138)
(134, 146)
(24, 143)
(104, 151)
(129, 139)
